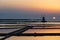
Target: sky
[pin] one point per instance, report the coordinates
(33, 9)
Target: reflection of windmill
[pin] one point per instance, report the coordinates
(43, 19)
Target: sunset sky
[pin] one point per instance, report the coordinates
(29, 8)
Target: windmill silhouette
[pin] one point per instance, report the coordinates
(43, 19)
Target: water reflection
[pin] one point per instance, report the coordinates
(43, 31)
(32, 30)
(34, 38)
(38, 37)
(46, 29)
(7, 30)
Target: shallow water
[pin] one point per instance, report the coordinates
(43, 31)
(36, 31)
(7, 30)
(34, 38)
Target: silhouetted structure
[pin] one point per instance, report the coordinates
(43, 19)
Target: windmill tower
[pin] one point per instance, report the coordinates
(43, 19)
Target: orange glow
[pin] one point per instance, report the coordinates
(34, 38)
(44, 5)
